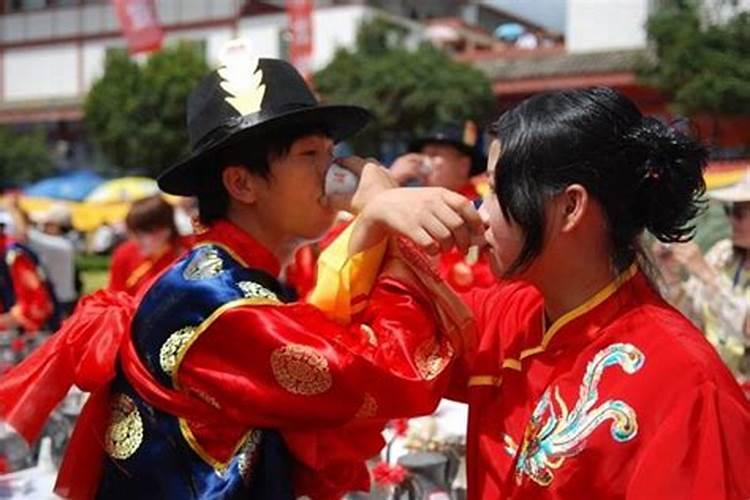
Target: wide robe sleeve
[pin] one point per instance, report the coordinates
(288, 366)
(327, 387)
(701, 451)
(328, 381)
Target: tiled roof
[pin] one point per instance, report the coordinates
(560, 64)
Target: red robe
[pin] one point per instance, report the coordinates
(254, 363)
(383, 365)
(620, 398)
(34, 305)
(130, 270)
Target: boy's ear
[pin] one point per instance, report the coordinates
(240, 184)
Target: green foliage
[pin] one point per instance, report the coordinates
(86, 262)
(410, 92)
(702, 65)
(23, 158)
(136, 114)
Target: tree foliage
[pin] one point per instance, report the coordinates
(701, 61)
(136, 113)
(24, 158)
(409, 91)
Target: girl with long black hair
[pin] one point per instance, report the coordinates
(586, 383)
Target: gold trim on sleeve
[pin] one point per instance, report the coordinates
(479, 380)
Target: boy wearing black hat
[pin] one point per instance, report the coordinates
(447, 157)
(222, 388)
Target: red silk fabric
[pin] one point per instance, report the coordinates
(83, 353)
(375, 371)
(690, 424)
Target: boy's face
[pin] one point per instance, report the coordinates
(291, 201)
(450, 167)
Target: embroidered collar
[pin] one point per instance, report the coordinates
(243, 247)
(584, 321)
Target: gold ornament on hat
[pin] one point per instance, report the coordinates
(241, 77)
(470, 133)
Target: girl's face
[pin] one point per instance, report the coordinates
(151, 243)
(505, 238)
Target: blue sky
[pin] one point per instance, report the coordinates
(548, 13)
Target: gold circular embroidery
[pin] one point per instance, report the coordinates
(301, 370)
(432, 357)
(369, 407)
(206, 264)
(125, 432)
(172, 348)
(252, 290)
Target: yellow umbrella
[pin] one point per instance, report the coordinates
(124, 189)
(724, 173)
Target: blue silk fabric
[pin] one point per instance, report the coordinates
(164, 465)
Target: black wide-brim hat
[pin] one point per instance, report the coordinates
(248, 103)
(462, 137)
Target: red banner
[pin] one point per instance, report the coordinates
(299, 15)
(140, 24)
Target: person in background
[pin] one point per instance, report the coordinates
(153, 244)
(27, 302)
(51, 239)
(185, 215)
(714, 289)
(449, 157)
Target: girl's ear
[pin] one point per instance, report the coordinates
(574, 203)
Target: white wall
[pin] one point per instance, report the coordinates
(93, 54)
(264, 34)
(191, 11)
(38, 73)
(213, 38)
(335, 27)
(53, 70)
(599, 25)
